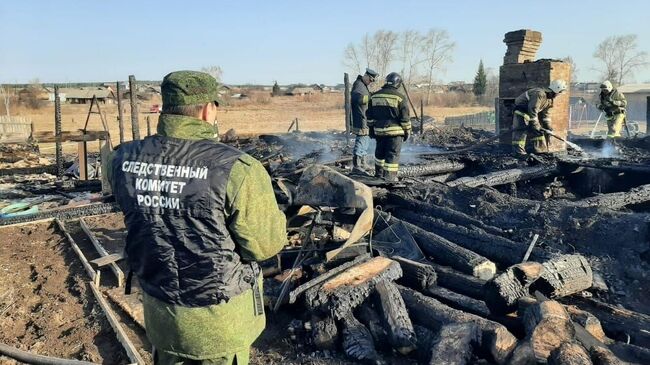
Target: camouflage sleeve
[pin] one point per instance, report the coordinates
(256, 224)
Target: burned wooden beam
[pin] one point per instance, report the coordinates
(459, 282)
(496, 340)
(618, 323)
(371, 319)
(564, 275)
(603, 356)
(569, 353)
(357, 340)
(638, 195)
(441, 166)
(444, 213)
(548, 326)
(64, 213)
(324, 333)
(416, 275)
(395, 316)
(454, 344)
(493, 247)
(119, 275)
(458, 301)
(294, 294)
(506, 176)
(503, 292)
(343, 292)
(590, 323)
(446, 252)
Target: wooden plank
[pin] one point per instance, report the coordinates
(94, 275)
(69, 136)
(106, 260)
(129, 347)
(119, 274)
(83, 161)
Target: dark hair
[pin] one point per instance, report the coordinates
(186, 110)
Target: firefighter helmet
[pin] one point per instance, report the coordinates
(394, 79)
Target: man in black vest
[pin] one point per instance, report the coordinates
(199, 215)
(360, 96)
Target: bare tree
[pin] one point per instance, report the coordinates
(6, 98)
(410, 54)
(214, 71)
(574, 68)
(385, 42)
(620, 58)
(352, 58)
(437, 48)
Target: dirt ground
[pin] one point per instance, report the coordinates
(46, 306)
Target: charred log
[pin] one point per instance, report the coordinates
(454, 344)
(638, 195)
(416, 275)
(569, 353)
(444, 213)
(431, 168)
(493, 247)
(371, 319)
(505, 176)
(395, 316)
(590, 323)
(294, 294)
(459, 282)
(324, 332)
(425, 338)
(564, 275)
(603, 356)
(448, 253)
(631, 353)
(504, 291)
(357, 341)
(548, 326)
(496, 340)
(458, 301)
(343, 292)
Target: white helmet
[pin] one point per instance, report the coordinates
(607, 85)
(558, 86)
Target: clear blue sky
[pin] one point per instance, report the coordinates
(288, 41)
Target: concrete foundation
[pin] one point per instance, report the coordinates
(516, 78)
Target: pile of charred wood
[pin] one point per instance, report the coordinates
(440, 287)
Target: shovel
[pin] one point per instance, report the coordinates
(570, 144)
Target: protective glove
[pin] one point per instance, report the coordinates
(407, 134)
(371, 132)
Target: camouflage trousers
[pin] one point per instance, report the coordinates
(614, 125)
(163, 358)
(523, 131)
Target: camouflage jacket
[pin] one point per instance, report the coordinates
(256, 226)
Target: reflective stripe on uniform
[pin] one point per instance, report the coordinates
(364, 100)
(379, 163)
(390, 167)
(538, 138)
(394, 130)
(406, 125)
(386, 100)
(520, 142)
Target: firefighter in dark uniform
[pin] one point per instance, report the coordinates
(389, 124)
(359, 100)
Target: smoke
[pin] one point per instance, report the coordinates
(411, 153)
(609, 150)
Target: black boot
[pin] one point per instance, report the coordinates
(357, 164)
(379, 171)
(390, 176)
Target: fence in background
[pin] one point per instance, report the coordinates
(15, 129)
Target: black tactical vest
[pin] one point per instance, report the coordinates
(173, 193)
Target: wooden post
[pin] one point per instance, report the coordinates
(57, 132)
(120, 116)
(148, 126)
(135, 126)
(83, 167)
(348, 107)
(421, 116)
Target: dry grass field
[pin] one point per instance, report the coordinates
(255, 115)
